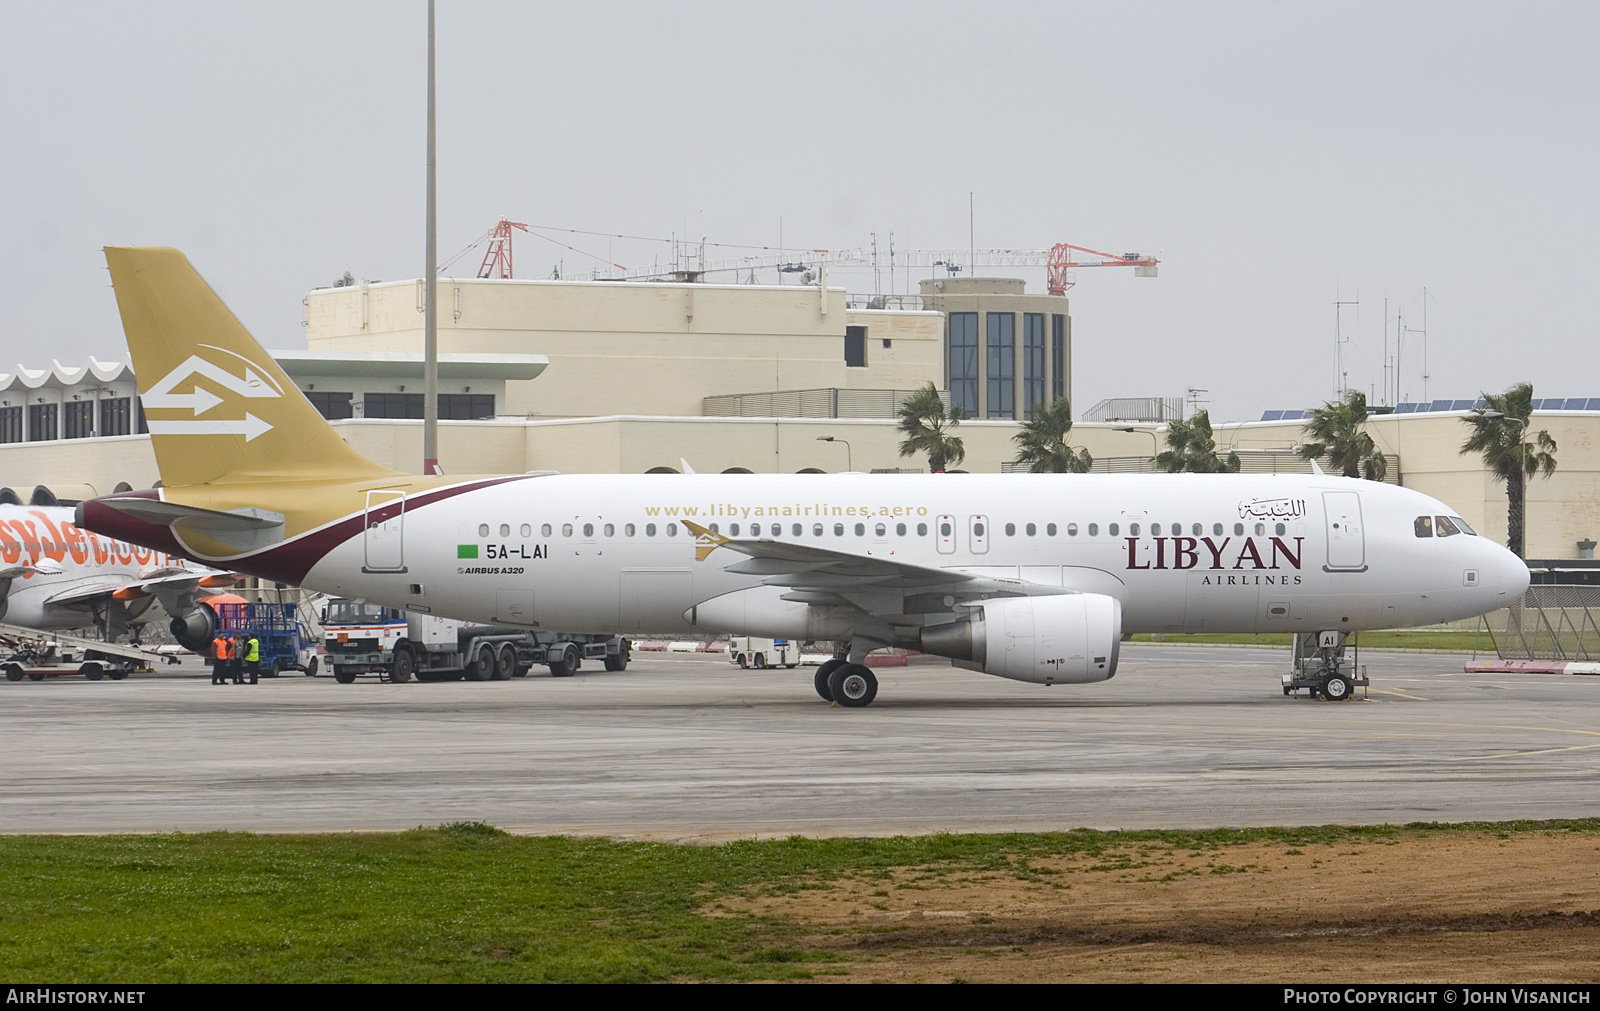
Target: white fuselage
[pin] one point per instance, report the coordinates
(1196, 553)
(62, 574)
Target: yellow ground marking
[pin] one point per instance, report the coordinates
(1400, 693)
(1540, 751)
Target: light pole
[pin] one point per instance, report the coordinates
(1155, 446)
(849, 458)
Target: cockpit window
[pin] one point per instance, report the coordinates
(1424, 526)
(1447, 528)
(1461, 525)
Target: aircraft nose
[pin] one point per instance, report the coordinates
(1511, 576)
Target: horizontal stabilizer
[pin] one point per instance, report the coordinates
(243, 529)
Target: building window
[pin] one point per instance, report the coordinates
(964, 363)
(1002, 365)
(115, 416)
(1032, 363)
(10, 424)
(42, 422)
(392, 405)
(1058, 356)
(79, 419)
(855, 347)
(465, 406)
(139, 424)
(333, 406)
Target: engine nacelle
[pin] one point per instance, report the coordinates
(762, 611)
(195, 629)
(1060, 639)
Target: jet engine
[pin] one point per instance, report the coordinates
(1060, 639)
(194, 629)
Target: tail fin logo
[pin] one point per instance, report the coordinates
(705, 541)
(257, 382)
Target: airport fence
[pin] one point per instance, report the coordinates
(1548, 623)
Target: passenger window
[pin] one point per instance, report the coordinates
(838, 530)
(1072, 529)
(944, 530)
(1261, 529)
(1216, 530)
(1155, 529)
(797, 528)
(1424, 526)
(861, 529)
(627, 530)
(566, 530)
(1280, 529)
(1446, 528)
(611, 530)
(1238, 530)
(588, 530)
(649, 529)
(714, 529)
(483, 530)
(1011, 530)
(733, 530)
(922, 529)
(880, 530)
(899, 529)
(544, 531)
(977, 529)
(527, 530)
(1030, 529)
(1112, 530)
(816, 530)
(672, 529)
(505, 530)
(1094, 530)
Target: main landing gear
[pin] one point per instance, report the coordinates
(849, 684)
(1321, 668)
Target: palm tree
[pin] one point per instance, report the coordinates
(1500, 434)
(927, 427)
(1191, 448)
(1042, 442)
(1334, 430)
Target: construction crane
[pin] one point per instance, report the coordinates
(497, 258)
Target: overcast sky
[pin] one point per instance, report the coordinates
(1274, 155)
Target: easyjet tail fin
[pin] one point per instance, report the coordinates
(219, 409)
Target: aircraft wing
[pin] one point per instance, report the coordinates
(162, 582)
(91, 589)
(873, 583)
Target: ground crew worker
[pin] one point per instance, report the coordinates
(252, 657)
(220, 647)
(236, 658)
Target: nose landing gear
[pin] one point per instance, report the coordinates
(1322, 668)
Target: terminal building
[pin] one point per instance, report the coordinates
(650, 377)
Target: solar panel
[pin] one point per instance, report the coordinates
(1594, 404)
(1577, 403)
(1271, 415)
(1405, 408)
(1463, 405)
(1293, 415)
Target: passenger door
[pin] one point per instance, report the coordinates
(1347, 543)
(385, 531)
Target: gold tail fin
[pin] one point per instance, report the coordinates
(220, 410)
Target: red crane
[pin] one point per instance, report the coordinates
(497, 258)
(1058, 281)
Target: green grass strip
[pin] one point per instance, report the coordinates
(470, 903)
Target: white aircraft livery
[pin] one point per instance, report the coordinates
(1030, 577)
(54, 575)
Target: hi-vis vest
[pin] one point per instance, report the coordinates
(252, 650)
(222, 647)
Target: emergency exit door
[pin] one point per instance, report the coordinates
(1347, 543)
(385, 532)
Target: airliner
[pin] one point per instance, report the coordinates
(54, 575)
(1030, 577)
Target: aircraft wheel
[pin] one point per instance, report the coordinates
(1336, 688)
(566, 664)
(92, 671)
(404, 667)
(13, 672)
(821, 681)
(506, 662)
(853, 685)
(344, 677)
